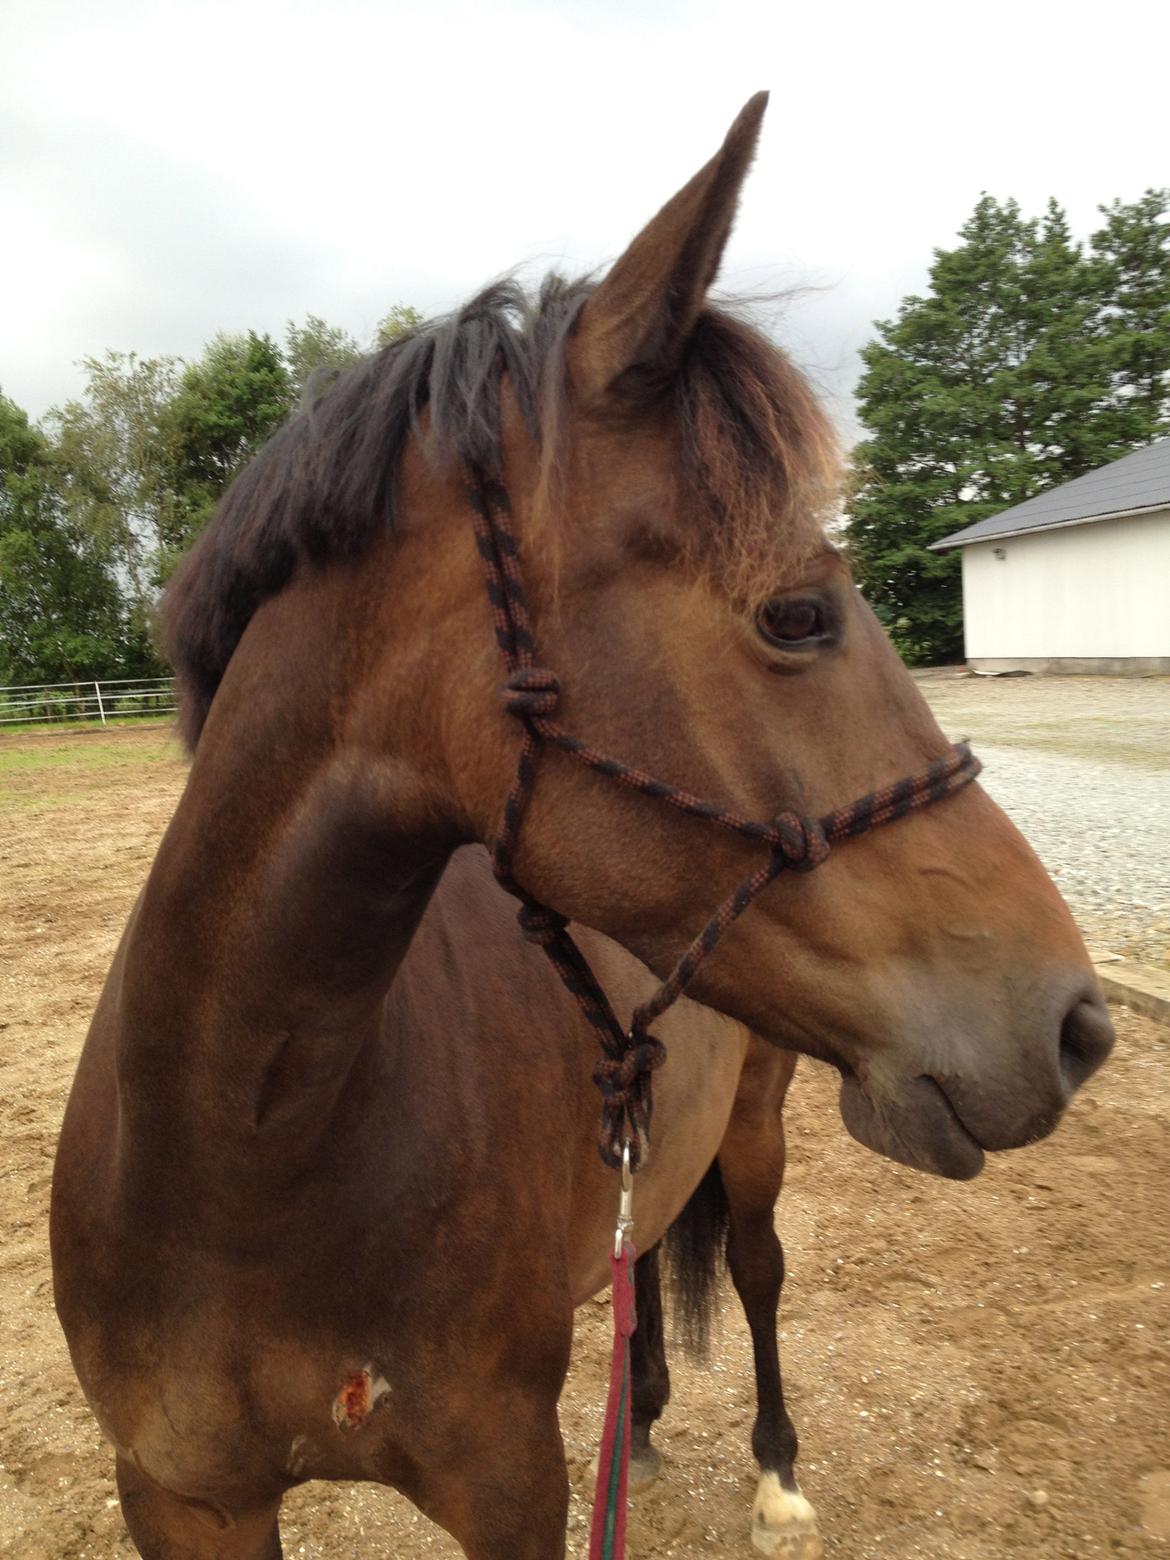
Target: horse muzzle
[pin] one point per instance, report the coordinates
(975, 1095)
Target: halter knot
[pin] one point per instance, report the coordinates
(621, 1078)
(540, 924)
(801, 841)
(531, 691)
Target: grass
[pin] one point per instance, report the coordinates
(24, 762)
(25, 728)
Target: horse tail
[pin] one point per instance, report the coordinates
(696, 1245)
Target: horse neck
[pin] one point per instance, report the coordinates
(287, 889)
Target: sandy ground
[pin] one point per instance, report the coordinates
(976, 1371)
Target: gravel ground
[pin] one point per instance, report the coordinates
(1082, 765)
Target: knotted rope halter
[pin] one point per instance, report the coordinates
(531, 693)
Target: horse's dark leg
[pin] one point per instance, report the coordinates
(649, 1375)
(751, 1163)
(164, 1527)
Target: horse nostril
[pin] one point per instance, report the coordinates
(1086, 1039)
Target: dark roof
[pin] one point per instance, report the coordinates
(1140, 480)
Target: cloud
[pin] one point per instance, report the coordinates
(173, 170)
(130, 248)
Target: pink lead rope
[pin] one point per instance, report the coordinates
(607, 1535)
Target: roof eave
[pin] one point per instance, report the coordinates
(958, 540)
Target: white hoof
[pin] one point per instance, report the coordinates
(783, 1522)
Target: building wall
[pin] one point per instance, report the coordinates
(1091, 592)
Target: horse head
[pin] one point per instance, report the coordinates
(669, 474)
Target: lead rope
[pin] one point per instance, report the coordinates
(607, 1532)
(629, 1056)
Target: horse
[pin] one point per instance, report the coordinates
(326, 1192)
(730, 1216)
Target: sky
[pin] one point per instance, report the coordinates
(174, 168)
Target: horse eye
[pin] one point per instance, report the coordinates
(791, 622)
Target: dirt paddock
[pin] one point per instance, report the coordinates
(976, 1370)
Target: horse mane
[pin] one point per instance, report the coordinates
(757, 448)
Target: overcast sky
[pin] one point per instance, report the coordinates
(173, 168)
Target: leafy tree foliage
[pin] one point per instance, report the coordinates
(112, 449)
(1026, 364)
(401, 321)
(62, 615)
(314, 354)
(96, 509)
(224, 409)
(1133, 252)
(151, 443)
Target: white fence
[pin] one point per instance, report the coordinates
(110, 699)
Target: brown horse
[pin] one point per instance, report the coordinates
(323, 1206)
(731, 1214)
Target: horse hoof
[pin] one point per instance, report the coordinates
(644, 1468)
(784, 1524)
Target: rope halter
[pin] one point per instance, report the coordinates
(531, 694)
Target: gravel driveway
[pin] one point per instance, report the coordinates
(1082, 765)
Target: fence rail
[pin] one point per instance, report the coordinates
(104, 700)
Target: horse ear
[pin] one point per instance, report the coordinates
(637, 322)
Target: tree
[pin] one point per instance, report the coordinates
(235, 398)
(139, 460)
(994, 386)
(112, 449)
(1063, 424)
(315, 353)
(62, 615)
(403, 320)
(1133, 250)
(226, 406)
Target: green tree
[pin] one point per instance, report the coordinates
(1133, 250)
(996, 384)
(144, 454)
(403, 320)
(1062, 419)
(112, 449)
(62, 615)
(315, 353)
(224, 409)
(235, 397)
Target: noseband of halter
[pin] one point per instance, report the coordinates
(530, 694)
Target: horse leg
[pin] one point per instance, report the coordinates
(166, 1527)
(649, 1374)
(751, 1163)
(508, 1497)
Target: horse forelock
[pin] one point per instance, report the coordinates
(758, 451)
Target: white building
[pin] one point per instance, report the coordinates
(1076, 579)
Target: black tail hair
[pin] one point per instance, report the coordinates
(695, 1247)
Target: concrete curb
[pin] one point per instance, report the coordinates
(1137, 987)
